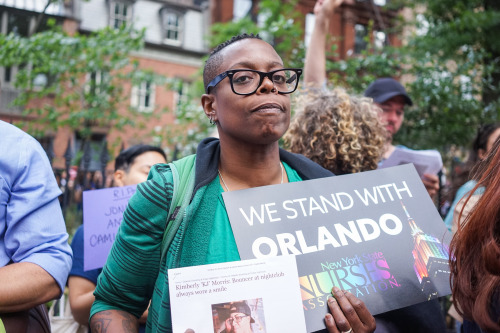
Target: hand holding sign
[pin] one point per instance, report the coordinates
(348, 313)
(375, 234)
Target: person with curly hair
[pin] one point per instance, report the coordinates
(474, 253)
(387, 93)
(340, 132)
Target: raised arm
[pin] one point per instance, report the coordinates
(315, 63)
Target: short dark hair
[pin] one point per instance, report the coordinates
(215, 58)
(483, 135)
(126, 158)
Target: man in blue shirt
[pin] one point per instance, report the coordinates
(35, 257)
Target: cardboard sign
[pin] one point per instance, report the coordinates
(201, 297)
(376, 234)
(102, 215)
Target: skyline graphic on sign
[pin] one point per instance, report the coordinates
(431, 259)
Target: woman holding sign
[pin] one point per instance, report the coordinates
(247, 98)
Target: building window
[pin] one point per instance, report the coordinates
(7, 75)
(360, 42)
(309, 26)
(182, 93)
(40, 81)
(95, 82)
(88, 157)
(241, 8)
(18, 24)
(379, 39)
(172, 26)
(143, 97)
(120, 14)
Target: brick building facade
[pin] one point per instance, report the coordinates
(174, 46)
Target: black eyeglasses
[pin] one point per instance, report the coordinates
(247, 81)
(237, 318)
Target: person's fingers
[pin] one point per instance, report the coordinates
(331, 327)
(431, 183)
(431, 179)
(342, 311)
(367, 322)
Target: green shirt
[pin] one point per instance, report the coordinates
(222, 246)
(134, 274)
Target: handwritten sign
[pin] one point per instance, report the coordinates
(102, 215)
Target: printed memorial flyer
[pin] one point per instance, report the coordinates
(260, 294)
(376, 234)
(102, 215)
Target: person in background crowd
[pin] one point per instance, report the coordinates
(387, 93)
(467, 180)
(35, 257)
(475, 253)
(247, 98)
(131, 167)
(391, 97)
(341, 133)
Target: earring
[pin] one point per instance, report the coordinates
(212, 121)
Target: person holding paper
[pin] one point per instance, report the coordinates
(131, 167)
(475, 247)
(391, 97)
(248, 99)
(387, 93)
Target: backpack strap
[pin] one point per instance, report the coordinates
(183, 177)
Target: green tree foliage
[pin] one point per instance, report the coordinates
(75, 81)
(190, 125)
(278, 22)
(454, 58)
(451, 63)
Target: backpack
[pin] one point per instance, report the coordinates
(183, 176)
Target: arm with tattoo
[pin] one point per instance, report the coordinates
(112, 321)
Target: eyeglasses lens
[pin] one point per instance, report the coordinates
(247, 82)
(236, 319)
